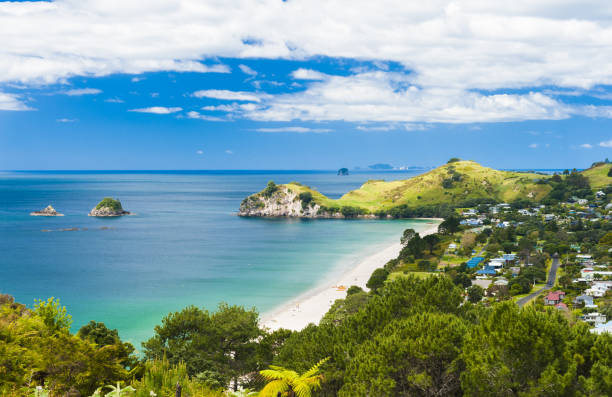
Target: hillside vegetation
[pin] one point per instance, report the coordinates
(454, 184)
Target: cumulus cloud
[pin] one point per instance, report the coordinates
(247, 70)
(308, 74)
(195, 115)
(586, 146)
(380, 96)
(12, 102)
(299, 130)
(606, 143)
(157, 110)
(82, 91)
(227, 95)
(456, 51)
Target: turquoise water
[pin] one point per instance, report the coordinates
(184, 245)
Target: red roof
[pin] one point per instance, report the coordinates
(555, 296)
(561, 306)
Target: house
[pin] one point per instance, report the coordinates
(525, 212)
(515, 271)
(601, 328)
(486, 271)
(452, 246)
(509, 257)
(475, 261)
(501, 281)
(594, 318)
(561, 306)
(600, 194)
(549, 217)
(586, 300)
(554, 297)
(588, 273)
(597, 290)
(582, 201)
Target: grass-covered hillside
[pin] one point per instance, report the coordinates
(453, 184)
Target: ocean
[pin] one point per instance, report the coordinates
(184, 245)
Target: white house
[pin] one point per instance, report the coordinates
(600, 194)
(601, 328)
(589, 273)
(594, 318)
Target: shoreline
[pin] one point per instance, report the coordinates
(311, 306)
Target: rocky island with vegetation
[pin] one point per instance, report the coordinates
(49, 211)
(432, 194)
(108, 207)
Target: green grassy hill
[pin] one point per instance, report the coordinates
(450, 184)
(598, 175)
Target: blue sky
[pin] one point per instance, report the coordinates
(83, 85)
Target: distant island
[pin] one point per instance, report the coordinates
(49, 211)
(343, 171)
(108, 207)
(457, 184)
(380, 166)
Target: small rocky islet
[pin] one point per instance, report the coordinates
(49, 211)
(108, 207)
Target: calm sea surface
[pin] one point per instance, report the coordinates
(184, 246)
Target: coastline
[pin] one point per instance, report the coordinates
(311, 306)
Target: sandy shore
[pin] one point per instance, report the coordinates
(312, 305)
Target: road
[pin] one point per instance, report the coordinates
(552, 276)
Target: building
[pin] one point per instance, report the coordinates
(588, 273)
(594, 318)
(601, 328)
(554, 297)
(475, 261)
(585, 300)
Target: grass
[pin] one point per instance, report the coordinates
(396, 275)
(426, 189)
(598, 176)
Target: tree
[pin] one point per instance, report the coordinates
(431, 240)
(412, 356)
(407, 236)
(565, 281)
(475, 293)
(377, 279)
(453, 160)
(450, 225)
(291, 384)
(54, 316)
(224, 341)
(462, 280)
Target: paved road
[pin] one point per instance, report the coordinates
(552, 276)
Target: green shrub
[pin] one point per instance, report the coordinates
(111, 203)
(270, 189)
(306, 198)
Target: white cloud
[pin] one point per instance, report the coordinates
(386, 127)
(137, 79)
(82, 91)
(199, 152)
(157, 110)
(454, 48)
(65, 120)
(606, 143)
(308, 74)
(221, 108)
(379, 96)
(195, 115)
(586, 146)
(12, 102)
(227, 95)
(247, 70)
(229, 152)
(533, 146)
(299, 130)
(114, 100)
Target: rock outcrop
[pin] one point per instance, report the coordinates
(108, 207)
(49, 211)
(280, 202)
(343, 171)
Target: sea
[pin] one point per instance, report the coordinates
(183, 246)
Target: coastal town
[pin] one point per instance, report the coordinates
(548, 255)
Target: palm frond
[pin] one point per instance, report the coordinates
(315, 369)
(274, 387)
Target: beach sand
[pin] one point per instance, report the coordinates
(312, 305)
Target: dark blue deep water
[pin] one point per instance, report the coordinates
(184, 245)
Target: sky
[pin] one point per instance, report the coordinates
(303, 84)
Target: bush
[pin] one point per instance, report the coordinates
(351, 212)
(377, 279)
(306, 199)
(111, 203)
(270, 189)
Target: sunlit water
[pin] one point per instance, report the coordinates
(185, 245)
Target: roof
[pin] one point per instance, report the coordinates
(555, 296)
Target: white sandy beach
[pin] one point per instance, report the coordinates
(312, 305)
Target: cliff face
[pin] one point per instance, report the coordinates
(282, 202)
